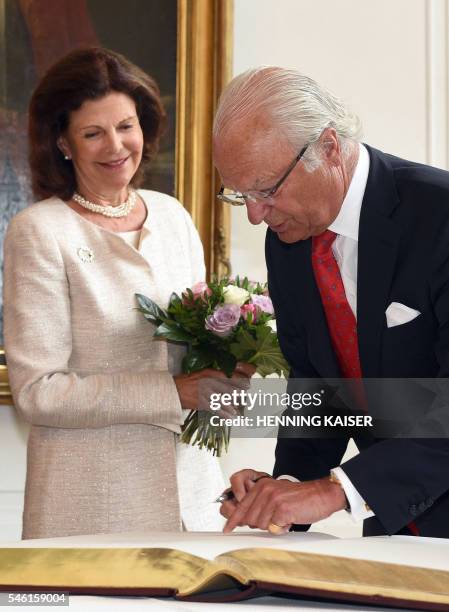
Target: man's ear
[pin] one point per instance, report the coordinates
(331, 145)
(63, 146)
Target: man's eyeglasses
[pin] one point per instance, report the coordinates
(265, 196)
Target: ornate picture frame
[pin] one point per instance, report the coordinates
(203, 66)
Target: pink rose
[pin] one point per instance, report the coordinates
(249, 309)
(201, 289)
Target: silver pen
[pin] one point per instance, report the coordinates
(229, 493)
(225, 496)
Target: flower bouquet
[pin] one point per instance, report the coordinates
(221, 322)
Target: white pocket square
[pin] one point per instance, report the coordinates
(398, 314)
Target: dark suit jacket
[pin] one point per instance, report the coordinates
(403, 256)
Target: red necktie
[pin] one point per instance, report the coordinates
(340, 318)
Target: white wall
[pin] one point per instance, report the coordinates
(388, 60)
(13, 436)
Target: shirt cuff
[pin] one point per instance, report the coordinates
(358, 508)
(287, 477)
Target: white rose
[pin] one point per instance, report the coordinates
(272, 323)
(235, 295)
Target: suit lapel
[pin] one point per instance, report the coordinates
(377, 253)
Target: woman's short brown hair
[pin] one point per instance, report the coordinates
(85, 74)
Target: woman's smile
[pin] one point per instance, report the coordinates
(114, 164)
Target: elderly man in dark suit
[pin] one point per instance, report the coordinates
(357, 250)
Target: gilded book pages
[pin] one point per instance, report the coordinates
(233, 575)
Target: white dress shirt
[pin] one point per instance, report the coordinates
(344, 248)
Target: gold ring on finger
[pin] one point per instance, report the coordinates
(275, 529)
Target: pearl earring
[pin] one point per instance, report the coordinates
(66, 157)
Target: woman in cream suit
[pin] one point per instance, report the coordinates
(104, 400)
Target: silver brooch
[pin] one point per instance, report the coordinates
(86, 254)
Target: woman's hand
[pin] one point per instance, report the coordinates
(195, 389)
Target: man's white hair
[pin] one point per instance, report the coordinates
(299, 108)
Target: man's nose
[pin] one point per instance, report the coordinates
(256, 212)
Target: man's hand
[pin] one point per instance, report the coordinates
(241, 483)
(280, 502)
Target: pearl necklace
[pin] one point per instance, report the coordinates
(121, 210)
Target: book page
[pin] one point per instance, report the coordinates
(158, 571)
(308, 572)
(432, 553)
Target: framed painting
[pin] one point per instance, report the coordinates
(184, 44)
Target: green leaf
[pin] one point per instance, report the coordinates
(261, 348)
(150, 309)
(244, 283)
(171, 331)
(174, 299)
(245, 345)
(196, 359)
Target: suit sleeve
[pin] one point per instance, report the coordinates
(38, 342)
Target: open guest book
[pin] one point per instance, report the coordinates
(399, 571)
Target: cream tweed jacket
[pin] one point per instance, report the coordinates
(86, 373)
